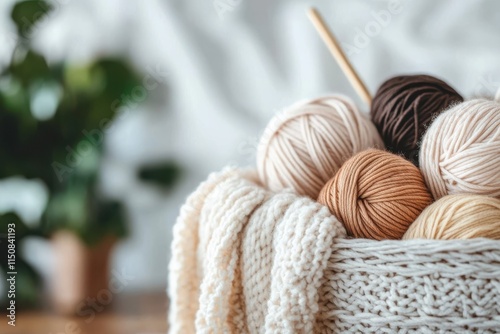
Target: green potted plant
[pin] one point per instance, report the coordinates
(28, 282)
(53, 120)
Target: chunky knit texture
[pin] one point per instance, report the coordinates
(249, 261)
(411, 286)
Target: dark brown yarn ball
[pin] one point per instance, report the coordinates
(404, 107)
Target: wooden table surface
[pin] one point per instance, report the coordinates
(129, 314)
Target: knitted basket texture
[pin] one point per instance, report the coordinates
(246, 260)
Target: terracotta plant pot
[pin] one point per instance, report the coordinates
(80, 271)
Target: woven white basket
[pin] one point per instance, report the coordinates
(414, 286)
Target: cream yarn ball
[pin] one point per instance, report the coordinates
(458, 217)
(304, 146)
(460, 151)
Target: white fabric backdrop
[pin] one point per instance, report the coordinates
(231, 64)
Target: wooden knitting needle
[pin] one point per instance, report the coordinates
(339, 55)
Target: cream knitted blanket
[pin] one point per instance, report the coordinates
(245, 260)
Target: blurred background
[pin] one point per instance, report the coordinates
(112, 112)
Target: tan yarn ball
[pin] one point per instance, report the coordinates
(376, 195)
(304, 146)
(458, 217)
(460, 152)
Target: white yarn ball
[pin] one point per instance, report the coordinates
(460, 151)
(303, 147)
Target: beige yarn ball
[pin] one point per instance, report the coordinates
(460, 151)
(303, 147)
(458, 217)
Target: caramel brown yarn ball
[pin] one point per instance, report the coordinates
(405, 106)
(376, 195)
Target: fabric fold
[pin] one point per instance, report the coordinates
(246, 260)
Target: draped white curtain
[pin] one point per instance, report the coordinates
(231, 64)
